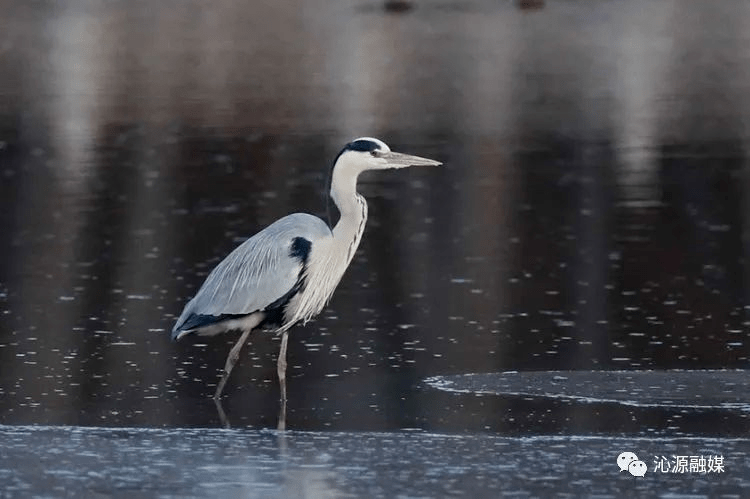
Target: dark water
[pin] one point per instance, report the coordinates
(593, 212)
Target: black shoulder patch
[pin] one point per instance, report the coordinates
(275, 311)
(300, 249)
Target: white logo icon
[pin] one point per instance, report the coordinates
(637, 468)
(627, 461)
(624, 460)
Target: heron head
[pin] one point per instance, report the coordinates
(359, 155)
(367, 153)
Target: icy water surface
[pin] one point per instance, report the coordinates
(251, 463)
(591, 213)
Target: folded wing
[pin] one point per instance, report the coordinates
(257, 274)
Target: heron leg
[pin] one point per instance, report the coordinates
(281, 364)
(222, 415)
(234, 354)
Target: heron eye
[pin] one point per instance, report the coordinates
(373, 153)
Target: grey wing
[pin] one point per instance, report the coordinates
(257, 273)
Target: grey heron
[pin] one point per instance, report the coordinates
(286, 273)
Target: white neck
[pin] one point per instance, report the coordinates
(329, 259)
(348, 231)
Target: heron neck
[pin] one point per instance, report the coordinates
(329, 258)
(352, 207)
(344, 189)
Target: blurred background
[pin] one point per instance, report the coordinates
(592, 213)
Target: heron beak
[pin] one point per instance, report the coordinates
(398, 160)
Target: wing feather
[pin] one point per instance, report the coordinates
(257, 273)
